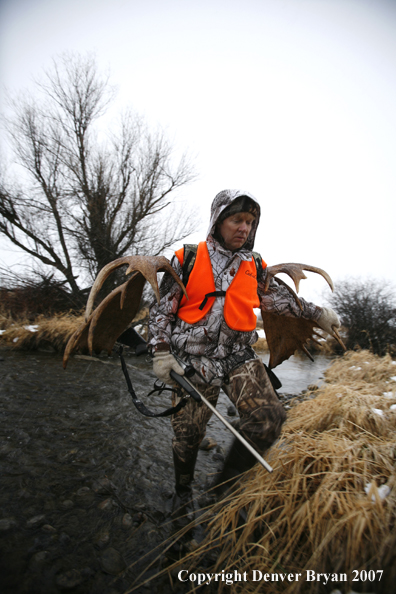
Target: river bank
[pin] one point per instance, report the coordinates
(87, 480)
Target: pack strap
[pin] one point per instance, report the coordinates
(190, 253)
(212, 294)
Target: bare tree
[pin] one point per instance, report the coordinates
(84, 203)
(367, 309)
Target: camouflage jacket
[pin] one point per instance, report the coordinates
(210, 345)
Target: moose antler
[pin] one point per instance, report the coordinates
(113, 315)
(295, 271)
(286, 334)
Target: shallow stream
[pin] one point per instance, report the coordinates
(87, 480)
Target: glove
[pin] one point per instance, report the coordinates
(329, 321)
(163, 363)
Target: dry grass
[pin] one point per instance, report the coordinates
(261, 345)
(313, 511)
(44, 332)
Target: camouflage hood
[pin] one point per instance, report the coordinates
(222, 201)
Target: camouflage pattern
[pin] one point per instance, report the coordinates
(210, 346)
(249, 389)
(223, 357)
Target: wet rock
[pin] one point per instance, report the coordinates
(85, 496)
(166, 494)
(64, 539)
(107, 504)
(312, 388)
(83, 491)
(126, 521)
(7, 524)
(48, 529)
(218, 456)
(112, 561)
(102, 486)
(231, 411)
(35, 521)
(141, 507)
(208, 444)
(38, 560)
(50, 505)
(102, 539)
(67, 504)
(70, 579)
(138, 518)
(87, 572)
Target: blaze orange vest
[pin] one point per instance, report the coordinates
(240, 298)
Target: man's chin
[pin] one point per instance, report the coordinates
(237, 245)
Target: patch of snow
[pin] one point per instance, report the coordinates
(378, 411)
(383, 491)
(2, 332)
(393, 378)
(353, 367)
(393, 407)
(16, 339)
(261, 333)
(393, 362)
(339, 395)
(31, 328)
(388, 394)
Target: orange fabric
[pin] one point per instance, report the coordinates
(241, 295)
(241, 298)
(180, 255)
(201, 281)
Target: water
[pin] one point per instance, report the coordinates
(85, 475)
(298, 372)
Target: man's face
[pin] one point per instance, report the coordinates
(235, 229)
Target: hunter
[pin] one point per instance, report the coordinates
(214, 331)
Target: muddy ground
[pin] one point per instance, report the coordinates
(86, 479)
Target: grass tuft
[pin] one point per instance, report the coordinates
(322, 507)
(45, 333)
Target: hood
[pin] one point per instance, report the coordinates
(224, 199)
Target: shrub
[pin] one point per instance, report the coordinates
(367, 309)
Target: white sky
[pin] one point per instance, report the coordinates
(292, 100)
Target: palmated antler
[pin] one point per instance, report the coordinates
(113, 315)
(287, 334)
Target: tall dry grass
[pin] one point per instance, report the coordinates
(321, 509)
(43, 332)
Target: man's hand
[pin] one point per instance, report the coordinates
(329, 321)
(163, 364)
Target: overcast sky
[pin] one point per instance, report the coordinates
(292, 100)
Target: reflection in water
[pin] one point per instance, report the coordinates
(298, 372)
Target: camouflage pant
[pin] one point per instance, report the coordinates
(250, 390)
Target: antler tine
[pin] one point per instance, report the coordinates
(147, 265)
(295, 271)
(338, 338)
(100, 279)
